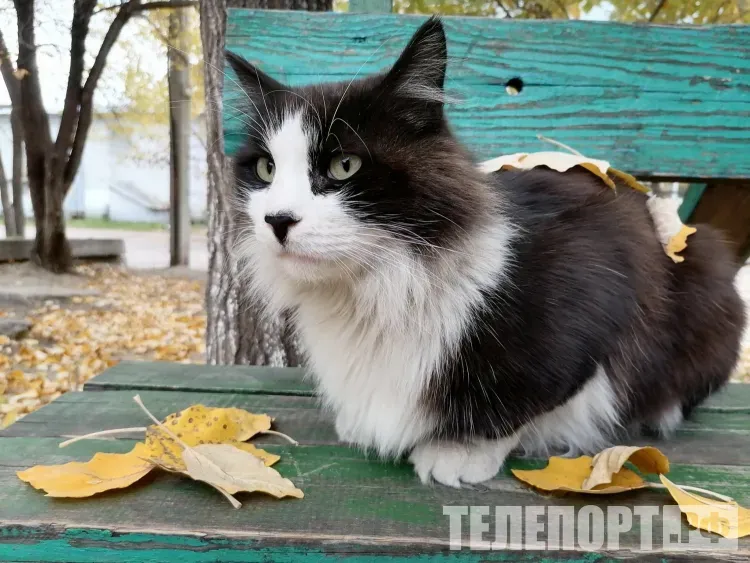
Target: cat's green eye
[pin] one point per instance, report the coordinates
(265, 169)
(344, 166)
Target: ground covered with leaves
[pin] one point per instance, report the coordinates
(120, 315)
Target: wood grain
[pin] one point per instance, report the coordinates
(166, 376)
(660, 102)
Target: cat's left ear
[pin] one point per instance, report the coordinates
(253, 81)
(419, 73)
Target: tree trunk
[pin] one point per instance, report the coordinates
(51, 247)
(237, 331)
(178, 79)
(17, 172)
(8, 217)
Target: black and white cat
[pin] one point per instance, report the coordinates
(453, 315)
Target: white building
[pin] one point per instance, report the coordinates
(122, 177)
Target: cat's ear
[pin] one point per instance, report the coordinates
(253, 81)
(419, 73)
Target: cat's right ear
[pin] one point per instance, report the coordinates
(419, 72)
(255, 83)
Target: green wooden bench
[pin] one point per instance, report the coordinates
(662, 103)
(355, 509)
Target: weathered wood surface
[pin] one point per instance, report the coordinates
(356, 508)
(660, 102)
(215, 379)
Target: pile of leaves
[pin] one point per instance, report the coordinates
(606, 473)
(132, 316)
(205, 444)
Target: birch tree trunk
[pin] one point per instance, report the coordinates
(237, 333)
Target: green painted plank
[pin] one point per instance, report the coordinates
(690, 201)
(261, 380)
(666, 102)
(735, 397)
(82, 545)
(348, 500)
(709, 438)
(166, 376)
(298, 417)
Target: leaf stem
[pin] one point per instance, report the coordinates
(281, 434)
(161, 426)
(102, 433)
(695, 490)
(558, 144)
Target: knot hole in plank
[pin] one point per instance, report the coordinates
(514, 86)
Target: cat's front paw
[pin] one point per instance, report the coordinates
(454, 463)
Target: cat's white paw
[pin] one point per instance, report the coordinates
(453, 463)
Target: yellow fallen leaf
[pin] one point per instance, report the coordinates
(232, 470)
(566, 474)
(8, 418)
(198, 425)
(267, 458)
(101, 473)
(227, 468)
(669, 228)
(610, 461)
(727, 519)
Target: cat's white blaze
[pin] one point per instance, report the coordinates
(323, 221)
(289, 191)
(586, 423)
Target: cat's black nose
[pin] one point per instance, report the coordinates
(280, 224)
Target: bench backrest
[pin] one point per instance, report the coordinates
(660, 102)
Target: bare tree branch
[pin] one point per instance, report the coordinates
(87, 92)
(6, 67)
(79, 31)
(656, 11)
(156, 5)
(507, 13)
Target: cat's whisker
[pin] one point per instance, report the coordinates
(357, 134)
(350, 83)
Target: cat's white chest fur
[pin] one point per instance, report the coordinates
(375, 345)
(370, 378)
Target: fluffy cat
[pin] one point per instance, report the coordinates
(453, 316)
